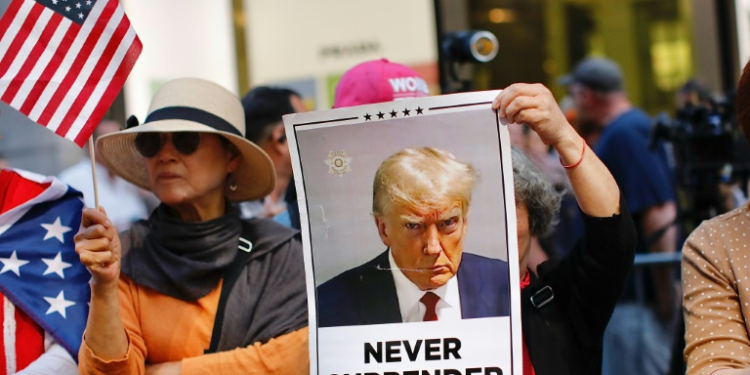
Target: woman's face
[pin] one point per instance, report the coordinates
(195, 180)
(524, 235)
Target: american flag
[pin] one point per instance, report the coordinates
(64, 61)
(40, 273)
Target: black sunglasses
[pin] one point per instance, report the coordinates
(149, 144)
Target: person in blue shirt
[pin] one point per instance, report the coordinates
(638, 334)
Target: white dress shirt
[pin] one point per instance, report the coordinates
(448, 308)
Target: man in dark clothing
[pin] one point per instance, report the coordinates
(264, 107)
(620, 136)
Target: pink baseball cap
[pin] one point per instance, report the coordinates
(378, 81)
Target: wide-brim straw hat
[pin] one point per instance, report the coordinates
(193, 105)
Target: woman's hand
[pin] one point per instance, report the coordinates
(98, 246)
(534, 105)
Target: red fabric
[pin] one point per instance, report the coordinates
(528, 368)
(15, 190)
(29, 340)
(430, 300)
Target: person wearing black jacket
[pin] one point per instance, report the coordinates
(567, 304)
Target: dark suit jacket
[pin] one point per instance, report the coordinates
(367, 294)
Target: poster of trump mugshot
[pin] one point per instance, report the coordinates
(409, 233)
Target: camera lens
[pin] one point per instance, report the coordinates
(483, 46)
(470, 45)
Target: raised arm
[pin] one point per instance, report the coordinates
(98, 246)
(593, 185)
(284, 355)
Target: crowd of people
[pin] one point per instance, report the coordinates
(196, 257)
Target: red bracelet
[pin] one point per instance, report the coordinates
(583, 152)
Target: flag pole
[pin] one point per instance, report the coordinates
(93, 171)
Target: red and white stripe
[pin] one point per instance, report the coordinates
(62, 75)
(9, 336)
(23, 339)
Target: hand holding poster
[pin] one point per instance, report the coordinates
(408, 223)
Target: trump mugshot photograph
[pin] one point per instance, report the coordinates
(421, 198)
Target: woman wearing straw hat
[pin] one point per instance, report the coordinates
(193, 289)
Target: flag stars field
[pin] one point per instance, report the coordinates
(56, 230)
(13, 264)
(56, 265)
(58, 304)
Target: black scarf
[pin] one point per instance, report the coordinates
(184, 260)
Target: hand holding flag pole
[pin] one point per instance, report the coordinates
(92, 154)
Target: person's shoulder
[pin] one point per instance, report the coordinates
(267, 239)
(734, 220)
(480, 259)
(714, 241)
(268, 224)
(476, 271)
(355, 275)
(625, 137)
(268, 231)
(342, 300)
(484, 266)
(629, 124)
(134, 236)
(633, 116)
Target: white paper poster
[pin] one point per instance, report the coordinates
(409, 233)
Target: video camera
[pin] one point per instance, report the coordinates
(708, 150)
(462, 47)
(703, 134)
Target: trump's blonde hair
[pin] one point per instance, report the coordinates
(424, 178)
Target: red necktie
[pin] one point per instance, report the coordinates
(430, 300)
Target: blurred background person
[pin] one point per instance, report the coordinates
(124, 201)
(264, 107)
(714, 277)
(639, 336)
